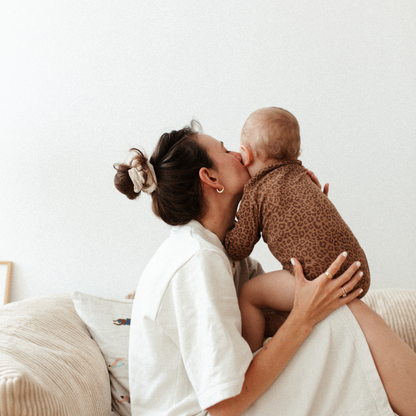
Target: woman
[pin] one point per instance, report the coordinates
(187, 356)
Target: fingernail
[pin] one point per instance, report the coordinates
(361, 274)
(358, 264)
(361, 291)
(292, 261)
(345, 254)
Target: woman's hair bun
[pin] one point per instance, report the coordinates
(175, 187)
(122, 179)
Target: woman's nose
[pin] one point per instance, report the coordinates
(236, 155)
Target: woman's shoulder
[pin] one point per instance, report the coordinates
(190, 243)
(245, 270)
(194, 235)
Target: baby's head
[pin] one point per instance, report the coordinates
(271, 133)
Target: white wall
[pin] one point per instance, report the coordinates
(82, 82)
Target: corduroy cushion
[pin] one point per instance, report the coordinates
(49, 365)
(398, 308)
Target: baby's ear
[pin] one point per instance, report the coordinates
(246, 155)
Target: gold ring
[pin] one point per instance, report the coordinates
(329, 275)
(343, 291)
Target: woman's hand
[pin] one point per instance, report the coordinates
(316, 299)
(317, 183)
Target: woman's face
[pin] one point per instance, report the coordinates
(232, 174)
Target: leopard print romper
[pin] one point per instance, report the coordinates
(296, 219)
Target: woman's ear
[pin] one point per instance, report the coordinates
(208, 177)
(246, 155)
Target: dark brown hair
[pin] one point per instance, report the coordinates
(177, 159)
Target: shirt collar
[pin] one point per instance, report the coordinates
(212, 238)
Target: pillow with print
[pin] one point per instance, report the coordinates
(108, 321)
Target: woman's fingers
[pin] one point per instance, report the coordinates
(297, 270)
(326, 189)
(347, 287)
(316, 181)
(335, 266)
(313, 177)
(350, 296)
(347, 281)
(316, 299)
(348, 274)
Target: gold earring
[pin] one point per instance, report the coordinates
(222, 190)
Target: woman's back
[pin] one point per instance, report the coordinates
(186, 349)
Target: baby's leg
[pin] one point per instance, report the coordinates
(274, 290)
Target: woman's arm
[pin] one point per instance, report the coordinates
(314, 300)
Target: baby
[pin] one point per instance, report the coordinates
(282, 203)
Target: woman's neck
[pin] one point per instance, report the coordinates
(220, 218)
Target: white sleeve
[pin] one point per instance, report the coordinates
(254, 267)
(200, 313)
(245, 270)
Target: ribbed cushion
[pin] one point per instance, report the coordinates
(398, 308)
(49, 365)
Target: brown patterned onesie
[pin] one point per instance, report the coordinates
(296, 219)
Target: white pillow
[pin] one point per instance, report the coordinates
(108, 321)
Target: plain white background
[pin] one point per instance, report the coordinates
(82, 82)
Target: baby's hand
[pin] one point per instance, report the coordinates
(316, 181)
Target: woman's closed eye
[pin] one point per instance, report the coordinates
(225, 149)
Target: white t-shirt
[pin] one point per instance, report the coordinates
(186, 348)
(187, 353)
